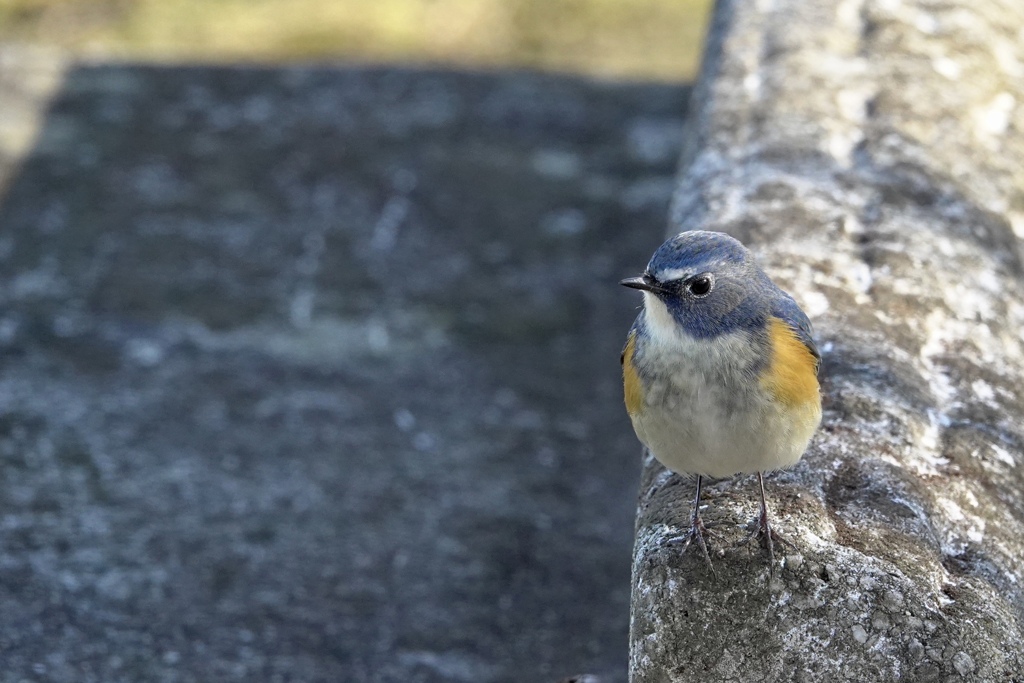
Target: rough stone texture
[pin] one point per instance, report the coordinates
(311, 374)
(872, 153)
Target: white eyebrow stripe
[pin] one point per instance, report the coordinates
(672, 274)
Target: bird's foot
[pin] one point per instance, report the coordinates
(762, 530)
(698, 530)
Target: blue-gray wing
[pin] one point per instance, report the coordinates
(787, 309)
(634, 329)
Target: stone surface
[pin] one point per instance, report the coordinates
(312, 374)
(872, 153)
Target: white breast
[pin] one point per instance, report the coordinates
(703, 413)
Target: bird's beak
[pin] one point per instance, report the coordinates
(644, 282)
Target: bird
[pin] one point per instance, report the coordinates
(720, 371)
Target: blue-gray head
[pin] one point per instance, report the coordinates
(709, 284)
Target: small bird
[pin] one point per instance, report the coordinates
(719, 369)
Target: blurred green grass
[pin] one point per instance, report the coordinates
(636, 39)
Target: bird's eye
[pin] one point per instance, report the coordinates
(701, 285)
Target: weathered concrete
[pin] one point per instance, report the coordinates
(311, 374)
(872, 153)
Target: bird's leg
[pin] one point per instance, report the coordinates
(762, 528)
(697, 529)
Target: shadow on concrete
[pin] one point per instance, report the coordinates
(311, 374)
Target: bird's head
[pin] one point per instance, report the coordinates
(704, 284)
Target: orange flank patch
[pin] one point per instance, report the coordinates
(630, 378)
(790, 377)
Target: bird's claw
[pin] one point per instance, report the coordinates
(762, 530)
(697, 532)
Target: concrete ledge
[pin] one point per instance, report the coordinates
(872, 153)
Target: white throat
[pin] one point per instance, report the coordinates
(660, 323)
(730, 351)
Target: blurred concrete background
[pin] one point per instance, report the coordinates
(310, 373)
